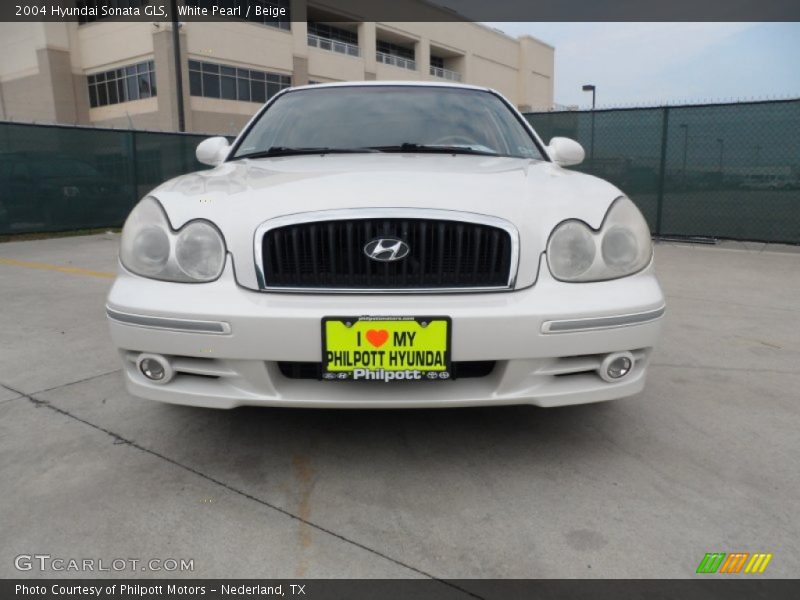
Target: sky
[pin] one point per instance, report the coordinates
(669, 63)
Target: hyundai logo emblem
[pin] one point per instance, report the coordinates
(386, 249)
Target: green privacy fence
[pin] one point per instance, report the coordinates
(724, 170)
(60, 178)
(721, 170)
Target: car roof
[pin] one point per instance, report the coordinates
(444, 84)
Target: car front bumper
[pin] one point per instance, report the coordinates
(224, 342)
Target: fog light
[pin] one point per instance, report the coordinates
(616, 366)
(156, 368)
(152, 369)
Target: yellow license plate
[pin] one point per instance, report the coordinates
(386, 348)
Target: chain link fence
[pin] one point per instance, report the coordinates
(62, 178)
(721, 171)
(718, 171)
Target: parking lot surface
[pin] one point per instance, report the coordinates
(706, 459)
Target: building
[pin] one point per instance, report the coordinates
(121, 74)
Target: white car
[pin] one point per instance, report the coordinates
(386, 245)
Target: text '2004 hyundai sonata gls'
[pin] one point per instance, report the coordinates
(386, 245)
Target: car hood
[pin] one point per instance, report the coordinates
(240, 195)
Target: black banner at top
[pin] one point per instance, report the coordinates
(87, 11)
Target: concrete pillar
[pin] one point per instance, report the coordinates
(535, 75)
(55, 71)
(165, 80)
(299, 27)
(367, 42)
(422, 54)
(299, 70)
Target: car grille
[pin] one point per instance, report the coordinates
(443, 254)
(458, 369)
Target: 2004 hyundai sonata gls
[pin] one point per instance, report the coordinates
(386, 245)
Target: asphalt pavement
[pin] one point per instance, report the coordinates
(706, 459)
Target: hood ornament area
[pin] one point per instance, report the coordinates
(386, 249)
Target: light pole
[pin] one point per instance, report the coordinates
(721, 143)
(685, 128)
(593, 89)
(176, 55)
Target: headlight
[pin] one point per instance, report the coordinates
(571, 250)
(199, 251)
(150, 248)
(621, 247)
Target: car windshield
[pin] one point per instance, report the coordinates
(388, 119)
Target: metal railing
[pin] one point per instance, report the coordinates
(397, 61)
(330, 45)
(445, 73)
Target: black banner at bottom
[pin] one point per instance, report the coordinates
(392, 589)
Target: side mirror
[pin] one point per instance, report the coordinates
(565, 152)
(212, 151)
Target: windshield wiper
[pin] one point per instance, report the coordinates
(434, 149)
(289, 151)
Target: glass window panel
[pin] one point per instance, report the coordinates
(229, 71)
(210, 68)
(102, 96)
(195, 83)
(141, 68)
(210, 85)
(257, 91)
(93, 96)
(229, 88)
(257, 75)
(112, 93)
(153, 83)
(194, 65)
(121, 90)
(100, 76)
(244, 89)
(143, 82)
(130, 71)
(243, 73)
(132, 89)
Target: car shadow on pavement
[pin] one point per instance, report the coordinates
(354, 439)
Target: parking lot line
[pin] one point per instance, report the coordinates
(48, 267)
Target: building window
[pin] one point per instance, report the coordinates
(330, 32)
(395, 50)
(125, 84)
(284, 22)
(212, 80)
(392, 54)
(94, 6)
(437, 69)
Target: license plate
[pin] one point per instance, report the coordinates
(386, 348)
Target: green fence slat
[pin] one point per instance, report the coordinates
(721, 171)
(62, 178)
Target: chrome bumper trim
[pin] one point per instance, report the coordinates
(568, 326)
(181, 325)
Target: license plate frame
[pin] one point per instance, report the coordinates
(388, 360)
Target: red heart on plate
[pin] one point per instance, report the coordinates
(377, 337)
